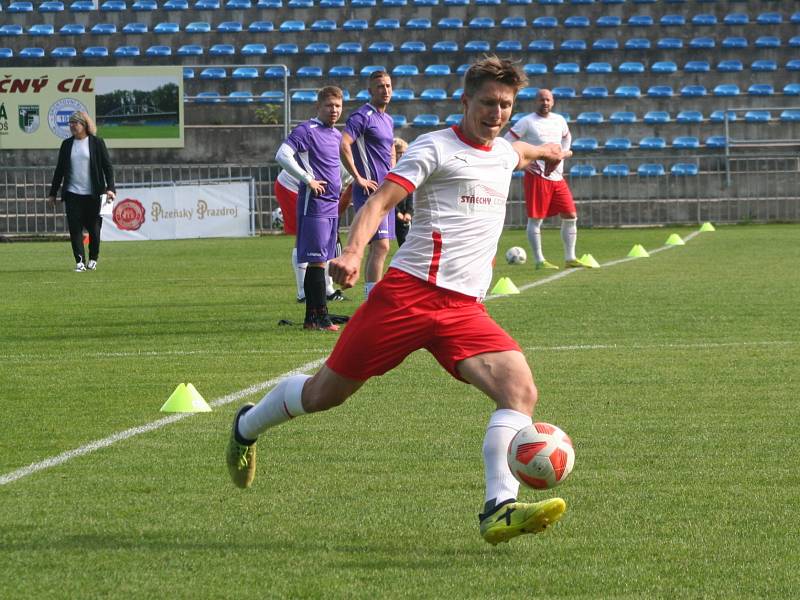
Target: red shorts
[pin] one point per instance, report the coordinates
(545, 198)
(405, 313)
(287, 200)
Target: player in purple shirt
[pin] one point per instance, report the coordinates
(367, 152)
(311, 155)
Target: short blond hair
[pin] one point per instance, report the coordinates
(492, 68)
(400, 145)
(81, 116)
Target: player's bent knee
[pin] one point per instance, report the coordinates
(327, 389)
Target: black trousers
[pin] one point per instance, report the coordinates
(83, 212)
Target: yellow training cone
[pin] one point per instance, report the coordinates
(185, 399)
(675, 240)
(589, 261)
(638, 251)
(505, 286)
(707, 227)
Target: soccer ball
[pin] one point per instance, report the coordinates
(516, 256)
(277, 218)
(541, 456)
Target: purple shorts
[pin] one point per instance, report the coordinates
(316, 239)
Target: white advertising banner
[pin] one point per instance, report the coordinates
(179, 212)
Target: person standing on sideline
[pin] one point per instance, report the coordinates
(404, 211)
(431, 295)
(85, 169)
(367, 152)
(311, 155)
(546, 192)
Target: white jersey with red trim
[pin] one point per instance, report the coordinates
(460, 192)
(537, 130)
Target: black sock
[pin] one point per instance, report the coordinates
(314, 287)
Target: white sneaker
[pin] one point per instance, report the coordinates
(91, 265)
(80, 267)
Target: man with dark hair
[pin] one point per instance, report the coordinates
(311, 155)
(431, 295)
(367, 152)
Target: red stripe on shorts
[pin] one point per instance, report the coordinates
(433, 270)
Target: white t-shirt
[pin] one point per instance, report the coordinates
(460, 191)
(79, 181)
(537, 130)
(288, 181)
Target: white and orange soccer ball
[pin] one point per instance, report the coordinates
(516, 255)
(541, 456)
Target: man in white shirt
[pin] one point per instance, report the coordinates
(546, 192)
(431, 295)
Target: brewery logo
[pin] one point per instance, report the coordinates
(129, 214)
(28, 117)
(59, 114)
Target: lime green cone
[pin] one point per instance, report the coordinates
(675, 240)
(185, 399)
(707, 227)
(589, 261)
(638, 251)
(505, 286)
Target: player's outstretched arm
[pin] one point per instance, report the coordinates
(345, 269)
(551, 154)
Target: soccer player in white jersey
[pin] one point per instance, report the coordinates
(431, 295)
(546, 192)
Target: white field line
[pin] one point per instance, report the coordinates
(241, 394)
(699, 345)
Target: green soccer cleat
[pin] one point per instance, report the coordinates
(515, 518)
(241, 458)
(574, 264)
(546, 265)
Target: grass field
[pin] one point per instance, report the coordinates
(139, 132)
(677, 377)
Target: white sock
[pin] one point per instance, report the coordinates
(534, 231)
(368, 288)
(299, 274)
(281, 403)
(328, 282)
(503, 425)
(569, 235)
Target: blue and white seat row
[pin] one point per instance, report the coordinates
(643, 170)
(654, 117)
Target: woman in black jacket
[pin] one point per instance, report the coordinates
(85, 169)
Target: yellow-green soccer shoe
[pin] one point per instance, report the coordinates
(241, 458)
(515, 518)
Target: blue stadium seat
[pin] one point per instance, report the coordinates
(693, 91)
(425, 120)
(795, 18)
(541, 46)
(433, 94)
(513, 23)
(399, 121)
(790, 114)
(214, 73)
(168, 28)
(595, 91)
(418, 24)
(265, 4)
(672, 20)
(456, 2)
(608, 21)
(196, 27)
(617, 144)
(640, 21)
(718, 116)
(6, 53)
(631, 67)
(292, 26)
(716, 141)
(793, 64)
(392, 3)
(697, 66)
(95, 52)
(368, 70)
(221, 50)
(253, 50)
(363, 3)
(158, 50)
(569, 68)
(386, 24)
(405, 71)
(760, 89)
(144, 5)
(208, 98)
(657, 116)
(584, 144)
(605, 44)
(271, 97)
(729, 66)
(304, 96)
(664, 66)
(767, 41)
(763, 65)
(726, 89)
(44, 29)
(453, 119)
(19, 7)
(582, 171)
(702, 43)
(176, 5)
(299, 4)
(307, 71)
(659, 91)
(544, 23)
(689, 116)
(562, 92)
(355, 25)
(317, 48)
(637, 44)
(652, 143)
(261, 26)
(481, 23)
(238, 5)
(650, 170)
(628, 91)
(363, 96)
(794, 42)
(534, 69)
(341, 71)
(509, 46)
(132, 51)
(413, 46)
(82, 6)
(229, 27)
(769, 18)
(459, 92)
(51, 7)
(477, 46)
(64, 52)
(669, 43)
(791, 89)
(402, 95)
(15, 29)
(426, 2)
(736, 19)
(437, 70)
(380, 48)
(685, 142)
(527, 93)
(190, 50)
(757, 116)
(275, 72)
(349, 48)
(589, 118)
(616, 170)
(281, 49)
(573, 45)
(576, 21)
(450, 23)
(704, 20)
(462, 68)
(734, 43)
(684, 169)
(444, 46)
(323, 25)
(33, 53)
(207, 5)
(598, 67)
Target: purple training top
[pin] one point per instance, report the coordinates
(317, 150)
(373, 132)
